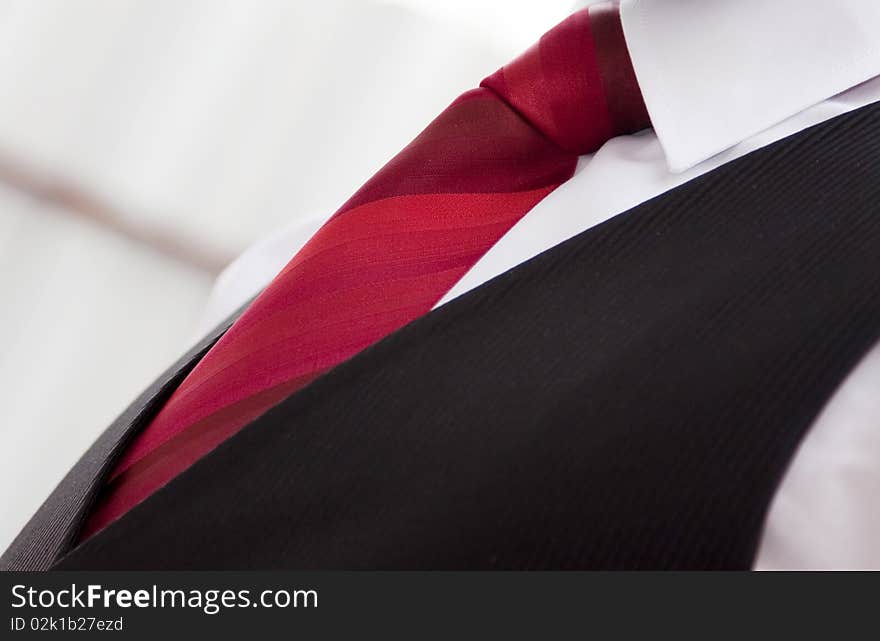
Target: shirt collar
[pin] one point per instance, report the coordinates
(715, 72)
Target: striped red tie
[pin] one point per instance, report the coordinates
(399, 244)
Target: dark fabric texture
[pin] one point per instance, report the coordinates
(629, 399)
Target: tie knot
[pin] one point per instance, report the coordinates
(577, 83)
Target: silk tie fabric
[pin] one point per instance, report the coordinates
(399, 244)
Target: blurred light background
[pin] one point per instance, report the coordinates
(145, 143)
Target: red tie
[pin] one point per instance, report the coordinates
(399, 244)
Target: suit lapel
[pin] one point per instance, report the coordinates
(54, 527)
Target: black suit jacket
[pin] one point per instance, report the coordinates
(628, 399)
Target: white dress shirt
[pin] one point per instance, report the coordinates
(721, 79)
